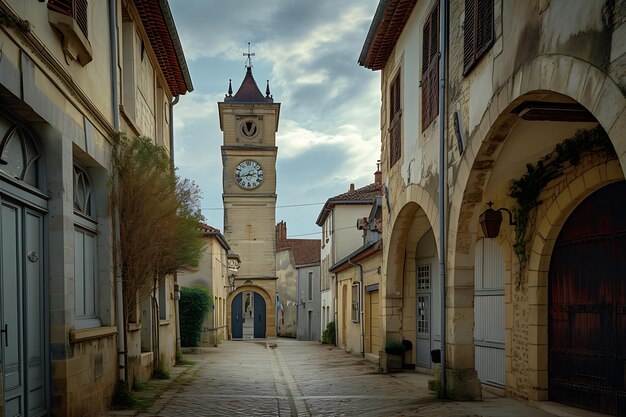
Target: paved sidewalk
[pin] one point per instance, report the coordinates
(284, 377)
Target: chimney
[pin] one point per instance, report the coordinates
(378, 175)
(351, 187)
(281, 230)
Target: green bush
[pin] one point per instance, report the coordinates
(394, 348)
(161, 372)
(328, 335)
(194, 305)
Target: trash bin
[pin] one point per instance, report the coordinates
(435, 355)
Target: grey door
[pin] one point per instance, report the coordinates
(424, 322)
(22, 310)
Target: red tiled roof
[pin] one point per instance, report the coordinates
(212, 231)
(386, 27)
(305, 251)
(363, 195)
(248, 92)
(158, 23)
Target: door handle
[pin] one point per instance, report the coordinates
(6, 335)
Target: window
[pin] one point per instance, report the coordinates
(430, 69)
(19, 157)
(477, 31)
(355, 302)
(423, 277)
(76, 9)
(423, 309)
(395, 118)
(310, 286)
(70, 18)
(85, 246)
(163, 299)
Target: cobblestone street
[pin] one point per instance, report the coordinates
(289, 378)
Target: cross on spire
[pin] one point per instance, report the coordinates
(248, 57)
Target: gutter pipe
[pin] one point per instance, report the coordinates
(176, 306)
(119, 293)
(443, 189)
(361, 297)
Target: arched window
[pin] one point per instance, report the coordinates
(19, 156)
(85, 252)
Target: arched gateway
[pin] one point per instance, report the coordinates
(248, 318)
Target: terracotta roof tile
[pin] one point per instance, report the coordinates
(158, 23)
(363, 195)
(305, 251)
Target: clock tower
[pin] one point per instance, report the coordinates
(249, 121)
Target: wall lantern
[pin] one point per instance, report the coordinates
(233, 262)
(231, 283)
(491, 219)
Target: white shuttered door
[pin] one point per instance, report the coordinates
(489, 312)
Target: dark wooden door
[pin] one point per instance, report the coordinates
(587, 296)
(236, 315)
(259, 316)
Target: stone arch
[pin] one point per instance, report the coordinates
(565, 75)
(417, 214)
(557, 212)
(270, 310)
(417, 203)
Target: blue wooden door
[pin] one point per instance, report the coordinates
(236, 317)
(22, 350)
(259, 316)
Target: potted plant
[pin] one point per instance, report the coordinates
(393, 357)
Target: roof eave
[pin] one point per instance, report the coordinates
(371, 34)
(178, 48)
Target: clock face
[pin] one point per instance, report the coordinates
(249, 174)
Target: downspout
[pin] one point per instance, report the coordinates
(177, 319)
(119, 293)
(361, 297)
(335, 295)
(443, 189)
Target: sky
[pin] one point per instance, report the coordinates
(329, 130)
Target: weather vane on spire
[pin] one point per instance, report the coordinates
(248, 57)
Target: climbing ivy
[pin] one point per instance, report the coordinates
(528, 187)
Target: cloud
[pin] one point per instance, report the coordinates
(329, 132)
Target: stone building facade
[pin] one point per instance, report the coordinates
(527, 88)
(71, 77)
(214, 274)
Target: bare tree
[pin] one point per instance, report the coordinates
(158, 216)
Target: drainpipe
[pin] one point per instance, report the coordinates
(443, 189)
(177, 320)
(361, 297)
(119, 293)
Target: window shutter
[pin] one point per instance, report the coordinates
(430, 69)
(395, 125)
(468, 33)
(478, 33)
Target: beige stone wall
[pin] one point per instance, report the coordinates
(94, 365)
(286, 285)
(542, 56)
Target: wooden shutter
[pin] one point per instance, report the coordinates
(430, 69)
(478, 33)
(395, 117)
(76, 9)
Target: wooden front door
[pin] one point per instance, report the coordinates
(259, 316)
(236, 317)
(587, 311)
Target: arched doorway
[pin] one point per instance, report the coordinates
(248, 316)
(23, 300)
(587, 305)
